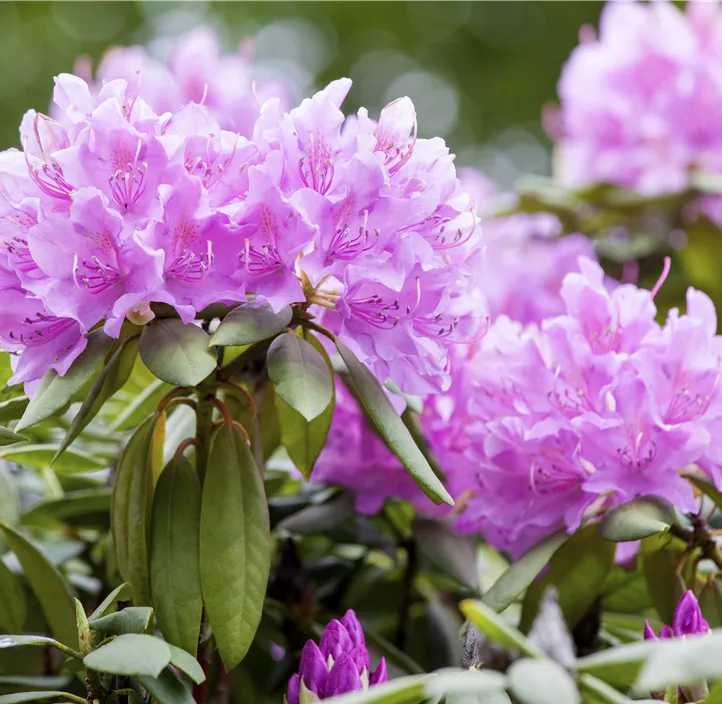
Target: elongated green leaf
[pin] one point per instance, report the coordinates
(115, 373)
(21, 697)
(618, 666)
(234, 545)
(661, 557)
(177, 353)
(174, 555)
(142, 405)
(496, 628)
(13, 408)
(132, 503)
(391, 427)
(247, 325)
(710, 601)
(637, 519)
(131, 654)
(542, 682)
(50, 588)
(405, 690)
(523, 572)
(166, 689)
(30, 682)
(109, 605)
(43, 455)
(84, 507)
(577, 570)
(9, 499)
(598, 691)
(300, 374)
(10, 641)
(85, 637)
(683, 661)
(13, 603)
(55, 391)
(8, 437)
(187, 664)
(452, 553)
(133, 619)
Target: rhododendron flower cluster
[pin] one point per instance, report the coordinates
(642, 103)
(341, 664)
(112, 207)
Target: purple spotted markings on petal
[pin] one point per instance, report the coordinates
(316, 167)
(46, 172)
(127, 183)
(189, 266)
(93, 274)
(38, 330)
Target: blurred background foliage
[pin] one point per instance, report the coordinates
(478, 72)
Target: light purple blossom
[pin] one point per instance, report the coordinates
(686, 621)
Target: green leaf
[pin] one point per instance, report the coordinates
(109, 605)
(177, 353)
(637, 519)
(85, 637)
(391, 427)
(541, 682)
(300, 374)
(131, 654)
(715, 694)
(13, 408)
(9, 499)
(405, 690)
(661, 557)
(55, 392)
(304, 439)
(13, 603)
(496, 628)
(115, 374)
(50, 588)
(131, 508)
(7, 437)
(140, 407)
(21, 697)
(34, 682)
(247, 325)
(84, 507)
(707, 488)
(234, 545)
(133, 619)
(186, 663)
(174, 554)
(523, 572)
(9, 641)
(598, 691)
(43, 455)
(166, 689)
(578, 570)
(683, 661)
(710, 601)
(618, 666)
(452, 553)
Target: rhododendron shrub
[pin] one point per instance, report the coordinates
(290, 407)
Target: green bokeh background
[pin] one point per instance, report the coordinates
(492, 65)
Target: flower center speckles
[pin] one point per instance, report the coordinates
(189, 266)
(93, 274)
(39, 330)
(46, 172)
(436, 231)
(209, 166)
(127, 184)
(382, 312)
(638, 457)
(547, 477)
(346, 245)
(261, 260)
(688, 404)
(19, 254)
(436, 325)
(316, 167)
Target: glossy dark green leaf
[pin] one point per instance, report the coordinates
(177, 353)
(43, 455)
(662, 556)
(140, 407)
(234, 545)
(115, 374)
(13, 409)
(55, 391)
(166, 689)
(132, 619)
(541, 682)
(391, 427)
(637, 519)
(320, 517)
(578, 570)
(30, 682)
(187, 664)
(131, 509)
(8, 437)
(84, 507)
(683, 661)
(13, 603)
(49, 586)
(300, 374)
(174, 554)
(130, 654)
(497, 628)
(40, 696)
(523, 572)
(109, 605)
(246, 325)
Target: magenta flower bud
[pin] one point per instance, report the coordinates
(380, 675)
(666, 632)
(361, 657)
(294, 689)
(354, 628)
(335, 640)
(688, 619)
(649, 633)
(313, 668)
(343, 677)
